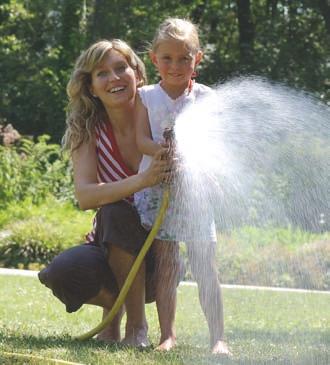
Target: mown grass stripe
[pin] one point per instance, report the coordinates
(18, 272)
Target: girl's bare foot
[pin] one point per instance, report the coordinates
(221, 348)
(166, 345)
(136, 337)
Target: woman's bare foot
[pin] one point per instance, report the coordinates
(221, 348)
(107, 340)
(110, 335)
(166, 345)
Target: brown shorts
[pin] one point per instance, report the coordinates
(77, 274)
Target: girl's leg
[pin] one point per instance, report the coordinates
(166, 279)
(136, 326)
(204, 270)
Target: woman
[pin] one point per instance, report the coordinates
(100, 135)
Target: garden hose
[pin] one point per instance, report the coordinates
(135, 268)
(40, 359)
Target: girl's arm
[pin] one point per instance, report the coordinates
(92, 194)
(144, 140)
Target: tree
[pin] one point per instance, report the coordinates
(282, 40)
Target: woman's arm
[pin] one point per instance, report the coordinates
(144, 140)
(92, 194)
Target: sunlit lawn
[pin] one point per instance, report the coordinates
(262, 327)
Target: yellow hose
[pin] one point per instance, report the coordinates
(42, 360)
(135, 268)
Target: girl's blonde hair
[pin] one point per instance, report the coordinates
(178, 29)
(84, 111)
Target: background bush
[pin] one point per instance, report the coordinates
(39, 218)
(37, 233)
(276, 263)
(34, 170)
(272, 256)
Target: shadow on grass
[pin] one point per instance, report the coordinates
(249, 348)
(311, 336)
(260, 347)
(35, 343)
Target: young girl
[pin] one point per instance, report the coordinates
(176, 53)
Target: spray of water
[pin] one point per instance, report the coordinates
(257, 153)
(252, 153)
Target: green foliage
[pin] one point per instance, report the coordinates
(290, 185)
(250, 255)
(30, 174)
(33, 92)
(30, 245)
(34, 170)
(38, 233)
(298, 178)
(291, 238)
(275, 257)
(39, 42)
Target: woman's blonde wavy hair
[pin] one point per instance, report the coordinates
(83, 110)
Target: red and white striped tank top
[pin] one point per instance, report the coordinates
(110, 164)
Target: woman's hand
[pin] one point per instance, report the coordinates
(159, 169)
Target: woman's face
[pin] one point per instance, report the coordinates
(114, 81)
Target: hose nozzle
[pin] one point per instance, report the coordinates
(169, 137)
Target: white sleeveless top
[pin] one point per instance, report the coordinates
(162, 112)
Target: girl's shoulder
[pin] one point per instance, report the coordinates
(202, 90)
(148, 88)
(150, 94)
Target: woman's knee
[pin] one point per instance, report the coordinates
(117, 212)
(57, 271)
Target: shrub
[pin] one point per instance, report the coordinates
(31, 242)
(38, 233)
(34, 170)
(286, 262)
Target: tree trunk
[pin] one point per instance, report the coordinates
(324, 6)
(246, 33)
(71, 38)
(271, 8)
(96, 21)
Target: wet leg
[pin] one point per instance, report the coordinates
(167, 275)
(204, 270)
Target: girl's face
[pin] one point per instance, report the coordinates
(175, 63)
(114, 81)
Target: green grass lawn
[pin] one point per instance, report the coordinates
(262, 327)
